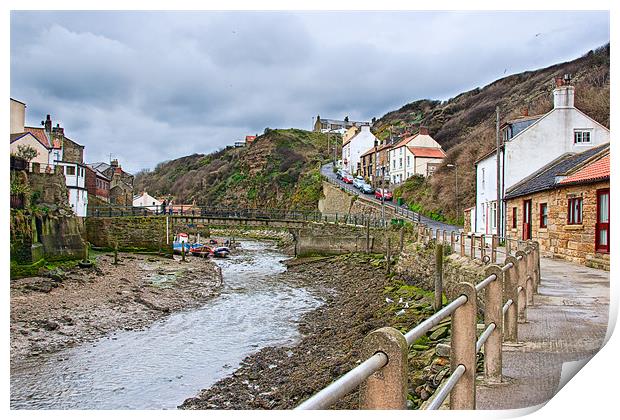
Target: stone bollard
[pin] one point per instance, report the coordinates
(445, 237)
(438, 276)
(463, 350)
(493, 315)
(386, 389)
(511, 277)
(437, 235)
(462, 239)
(452, 241)
(522, 270)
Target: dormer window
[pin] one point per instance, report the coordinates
(583, 137)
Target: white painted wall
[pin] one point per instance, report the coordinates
(29, 140)
(359, 144)
(78, 200)
(148, 201)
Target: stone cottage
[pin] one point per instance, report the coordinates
(565, 207)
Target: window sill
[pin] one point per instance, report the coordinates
(573, 227)
(542, 229)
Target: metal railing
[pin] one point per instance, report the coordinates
(382, 376)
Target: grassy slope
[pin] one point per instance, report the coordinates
(279, 169)
(465, 125)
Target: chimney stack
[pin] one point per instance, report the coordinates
(114, 163)
(424, 130)
(58, 130)
(48, 124)
(563, 94)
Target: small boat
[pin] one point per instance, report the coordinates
(177, 247)
(221, 252)
(200, 250)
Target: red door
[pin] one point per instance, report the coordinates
(527, 220)
(602, 220)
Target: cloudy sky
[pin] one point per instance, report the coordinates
(152, 86)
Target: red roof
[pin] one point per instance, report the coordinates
(250, 139)
(597, 170)
(405, 141)
(40, 135)
(427, 152)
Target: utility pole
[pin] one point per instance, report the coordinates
(498, 211)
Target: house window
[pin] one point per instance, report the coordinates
(514, 217)
(394, 164)
(483, 178)
(544, 215)
(69, 170)
(574, 210)
(408, 160)
(400, 162)
(582, 137)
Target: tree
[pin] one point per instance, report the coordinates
(26, 152)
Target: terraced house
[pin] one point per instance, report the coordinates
(565, 207)
(419, 154)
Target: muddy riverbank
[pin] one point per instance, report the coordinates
(70, 307)
(354, 289)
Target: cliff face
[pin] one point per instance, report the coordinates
(280, 169)
(465, 124)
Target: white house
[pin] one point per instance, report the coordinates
(354, 147)
(529, 143)
(147, 201)
(415, 155)
(328, 125)
(75, 179)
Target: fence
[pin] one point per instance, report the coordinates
(508, 290)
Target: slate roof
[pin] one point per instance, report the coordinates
(545, 178)
(379, 149)
(594, 171)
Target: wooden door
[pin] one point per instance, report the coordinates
(602, 220)
(527, 220)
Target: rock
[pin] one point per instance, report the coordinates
(442, 350)
(50, 325)
(439, 333)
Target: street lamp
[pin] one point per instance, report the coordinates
(456, 186)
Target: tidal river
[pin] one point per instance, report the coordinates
(159, 367)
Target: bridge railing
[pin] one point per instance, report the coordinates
(382, 376)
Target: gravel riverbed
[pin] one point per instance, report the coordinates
(70, 307)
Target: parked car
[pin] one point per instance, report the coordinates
(367, 189)
(382, 193)
(358, 182)
(340, 173)
(347, 179)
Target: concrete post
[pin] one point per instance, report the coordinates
(445, 237)
(463, 350)
(462, 239)
(437, 235)
(482, 245)
(521, 284)
(472, 247)
(508, 245)
(536, 266)
(438, 276)
(387, 388)
(511, 278)
(452, 241)
(494, 242)
(493, 315)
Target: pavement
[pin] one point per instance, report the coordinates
(328, 172)
(567, 322)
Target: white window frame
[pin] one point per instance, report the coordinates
(580, 134)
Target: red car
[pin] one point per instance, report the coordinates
(348, 179)
(379, 193)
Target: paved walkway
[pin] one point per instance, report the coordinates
(567, 322)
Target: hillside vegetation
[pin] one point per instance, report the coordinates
(465, 124)
(280, 169)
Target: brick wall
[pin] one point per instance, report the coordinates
(559, 240)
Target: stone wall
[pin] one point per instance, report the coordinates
(559, 240)
(338, 201)
(329, 239)
(416, 265)
(132, 233)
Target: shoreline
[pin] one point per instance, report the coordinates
(67, 308)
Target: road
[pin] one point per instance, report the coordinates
(328, 172)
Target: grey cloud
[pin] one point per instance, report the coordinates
(152, 86)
